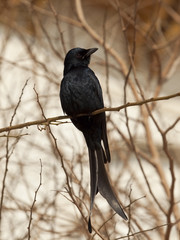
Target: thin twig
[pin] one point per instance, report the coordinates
(34, 201)
(147, 230)
(113, 109)
(7, 152)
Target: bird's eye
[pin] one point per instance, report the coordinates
(78, 55)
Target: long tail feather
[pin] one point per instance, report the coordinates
(94, 181)
(104, 186)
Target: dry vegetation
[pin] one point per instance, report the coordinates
(44, 172)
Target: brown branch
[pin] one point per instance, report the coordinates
(34, 201)
(7, 153)
(58, 26)
(172, 207)
(48, 13)
(98, 38)
(148, 230)
(55, 119)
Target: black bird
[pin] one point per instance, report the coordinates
(81, 92)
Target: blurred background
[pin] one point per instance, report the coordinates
(44, 169)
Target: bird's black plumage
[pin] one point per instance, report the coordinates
(81, 92)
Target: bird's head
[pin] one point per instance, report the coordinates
(77, 57)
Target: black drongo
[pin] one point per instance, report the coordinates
(81, 93)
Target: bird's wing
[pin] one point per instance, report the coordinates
(80, 92)
(105, 139)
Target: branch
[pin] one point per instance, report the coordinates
(148, 230)
(34, 201)
(8, 155)
(97, 37)
(55, 119)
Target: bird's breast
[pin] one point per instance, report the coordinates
(80, 92)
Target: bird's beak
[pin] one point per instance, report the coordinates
(89, 52)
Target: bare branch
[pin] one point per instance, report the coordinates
(52, 120)
(34, 201)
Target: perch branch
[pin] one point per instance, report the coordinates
(111, 109)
